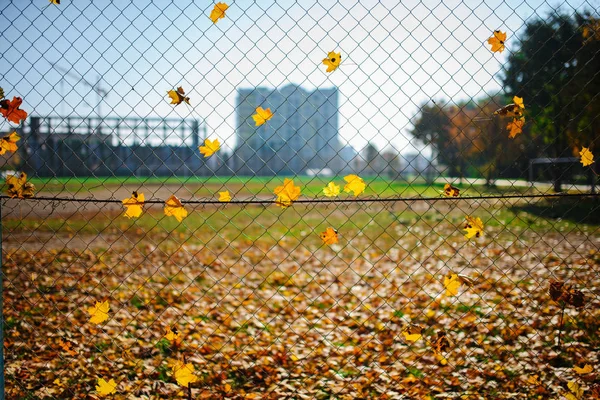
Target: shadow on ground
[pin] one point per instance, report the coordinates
(573, 209)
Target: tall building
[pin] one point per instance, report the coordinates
(303, 133)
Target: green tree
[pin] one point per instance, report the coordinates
(552, 68)
(432, 127)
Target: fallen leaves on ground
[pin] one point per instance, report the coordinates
(576, 391)
(184, 373)
(452, 284)
(104, 388)
(277, 316)
(412, 333)
(586, 369)
(99, 312)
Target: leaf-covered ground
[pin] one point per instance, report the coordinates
(268, 312)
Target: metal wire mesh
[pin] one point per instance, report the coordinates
(361, 294)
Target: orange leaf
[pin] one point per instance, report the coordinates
(11, 111)
(515, 127)
(330, 236)
(218, 12)
(497, 41)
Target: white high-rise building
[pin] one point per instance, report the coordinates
(303, 133)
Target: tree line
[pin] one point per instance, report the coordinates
(555, 66)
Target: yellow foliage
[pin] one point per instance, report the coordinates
(174, 208)
(99, 313)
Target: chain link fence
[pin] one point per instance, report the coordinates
(299, 199)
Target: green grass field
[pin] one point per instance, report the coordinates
(256, 186)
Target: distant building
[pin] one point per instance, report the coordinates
(301, 136)
(416, 165)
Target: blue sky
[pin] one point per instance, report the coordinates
(404, 53)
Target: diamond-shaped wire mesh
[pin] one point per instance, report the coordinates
(367, 294)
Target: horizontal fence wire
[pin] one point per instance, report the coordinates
(327, 201)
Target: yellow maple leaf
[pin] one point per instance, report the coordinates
(441, 359)
(224, 197)
(210, 147)
(287, 193)
(262, 116)
(174, 208)
(587, 158)
(57, 2)
(99, 313)
(413, 333)
(331, 190)
(184, 373)
(575, 389)
(105, 388)
(452, 283)
(515, 127)
(354, 184)
(177, 96)
(534, 380)
(591, 30)
(519, 101)
(497, 41)
(172, 334)
(451, 191)
(332, 61)
(17, 186)
(9, 143)
(473, 226)
(134, 205)
(218, 12)
(587, 368)
(330, 236)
